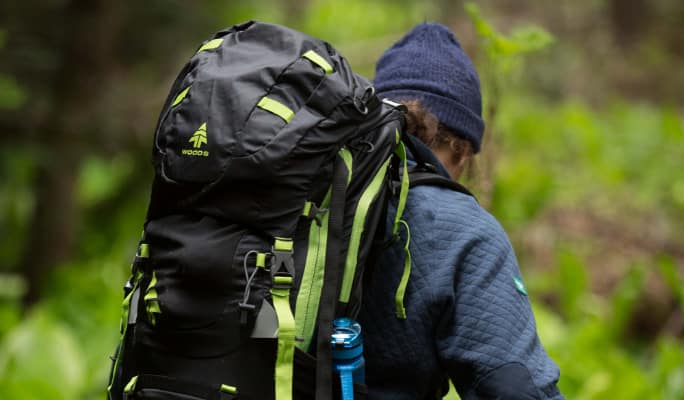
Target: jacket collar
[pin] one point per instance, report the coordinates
(425, 154)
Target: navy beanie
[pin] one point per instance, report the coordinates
(429, 65)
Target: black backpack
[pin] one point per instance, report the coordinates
(274, 164)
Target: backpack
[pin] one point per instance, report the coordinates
(274, 164)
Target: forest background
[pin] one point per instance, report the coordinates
(583, 164)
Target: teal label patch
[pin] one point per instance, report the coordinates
(519, 285)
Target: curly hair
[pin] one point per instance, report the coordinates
(426, 127)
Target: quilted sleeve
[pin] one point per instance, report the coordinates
(487, 339)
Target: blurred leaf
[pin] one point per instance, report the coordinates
(41, 359)
(625, 298)
(573, 283)
(100, 179)
(11, 95)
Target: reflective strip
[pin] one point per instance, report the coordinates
(311, 286)
(212, 44)
(318, 60)
(283, 244)
(401, 290)
(276, 108)
(228, 389)
(286, 342)
(180, 96)
(367, 197)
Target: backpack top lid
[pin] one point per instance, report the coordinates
(252, 124)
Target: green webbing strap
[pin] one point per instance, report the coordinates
(318, 60)
(210, 45)
(358, 224)
(130, 386)
(311, 285)
(307, 208)
(125, 305)
(401, 290)
(261, 260)
(403, 194)
(144, 250)
(180, 96)
(286, 337)
(151, 300)
(276, 107)
(348, 161)
(228, 389)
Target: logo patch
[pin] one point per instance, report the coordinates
(197, 139)
(519, 285)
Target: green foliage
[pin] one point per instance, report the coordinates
(504, 54)
(11, 94)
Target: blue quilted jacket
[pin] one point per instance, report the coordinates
(468, 318)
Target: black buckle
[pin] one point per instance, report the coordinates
(282, 264)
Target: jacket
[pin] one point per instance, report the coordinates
(468, 315)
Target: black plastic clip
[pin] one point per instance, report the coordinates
(282, 263)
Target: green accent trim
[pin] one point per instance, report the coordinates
(307, 208)
(144, 250)
(282, 280)
(401, 290)
(261, 260)
(229, 389)
(130, 386)
(286, 343)
(210, 45)
(400, 151)
(519, 285)
(283, 244)
(358, 225)
(276, 108)
(348, 161)
(125, 306)
(180, 96)
(151, 300)
(311, 286)
(318, 60)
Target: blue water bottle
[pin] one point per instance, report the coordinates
(347, 354)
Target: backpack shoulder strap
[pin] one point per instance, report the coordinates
(420, 178)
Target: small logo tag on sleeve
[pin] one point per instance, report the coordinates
(519, 285)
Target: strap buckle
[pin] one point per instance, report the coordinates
(282, 261)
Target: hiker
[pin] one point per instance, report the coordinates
(468, 314)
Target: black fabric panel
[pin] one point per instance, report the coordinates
(508, 382)
(157, 387)
(333, 272)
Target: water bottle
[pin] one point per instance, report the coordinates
(347, 355)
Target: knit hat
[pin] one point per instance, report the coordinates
(429, 65)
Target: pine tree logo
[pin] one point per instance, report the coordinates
(197, 139)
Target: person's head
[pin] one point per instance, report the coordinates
(428, 71)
